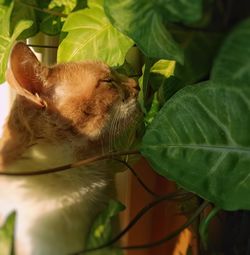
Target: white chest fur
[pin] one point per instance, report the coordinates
(54, 211)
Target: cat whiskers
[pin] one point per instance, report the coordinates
(113, 130)
(125, 118)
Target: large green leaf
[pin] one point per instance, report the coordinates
(101, 230)
(7, 235)
(91, 36)
(233, 61)
(200, 139)
(7, 40)
(142, 20)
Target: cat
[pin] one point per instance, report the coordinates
(61, 114)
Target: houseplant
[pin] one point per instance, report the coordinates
(194, 81)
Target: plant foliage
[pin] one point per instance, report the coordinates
(7, 235)
(93, 39)
(101, 230)
(196, 135)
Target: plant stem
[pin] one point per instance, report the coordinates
(58, 14)
(72, 165)
(152, 193)
(172, 235)
(203, 228)
(144, 210)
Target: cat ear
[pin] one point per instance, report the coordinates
(26, 74)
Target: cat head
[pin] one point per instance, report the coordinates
(85, 99)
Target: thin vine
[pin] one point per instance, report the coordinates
(139, 215)
(71, 165)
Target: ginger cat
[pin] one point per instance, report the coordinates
(61, 114)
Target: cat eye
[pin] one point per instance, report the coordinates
(107, 80)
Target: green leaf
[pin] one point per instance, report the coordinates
(101, 230)
(7, 235)
(23, 12)
(5, 19)
(81, 4)
(152, 111)
(67, 5)
(168, 87)
(181, 10)
(147, 93)
(163, 67)
(200, 139)
(159, 72)
(92, 37)
(7, 40)
(3, 10)
(233, 61)
(142, 20)
(51, 24)
(155, 75)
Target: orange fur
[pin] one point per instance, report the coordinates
(62, 113)
(59, 102)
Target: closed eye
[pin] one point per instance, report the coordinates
(107, 80)
(104, 81)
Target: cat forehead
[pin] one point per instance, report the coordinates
(81, 69)
(77, 78)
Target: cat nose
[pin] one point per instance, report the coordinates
(132, 89)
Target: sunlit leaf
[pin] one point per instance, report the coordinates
(101, 230)
(154, 77)
(7, 39)
(68, 5)
(92, 37)
(164, 67)
(7, 235)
